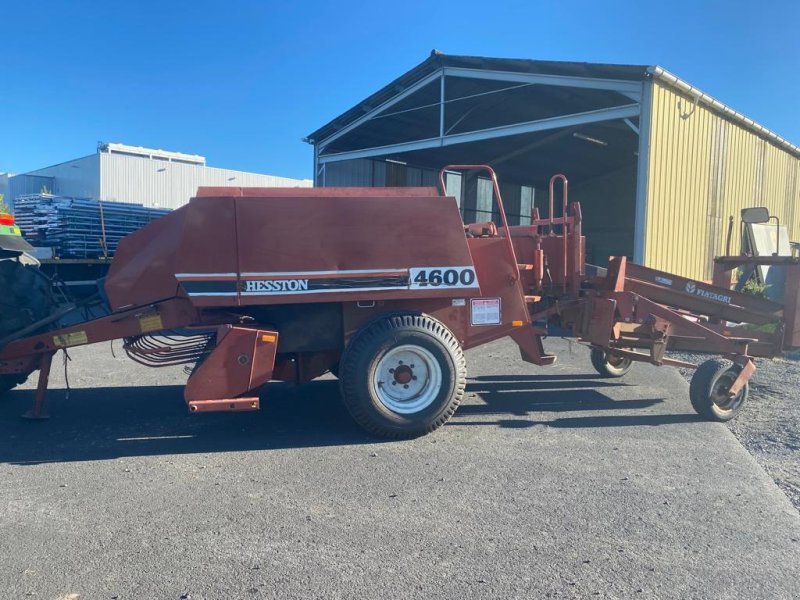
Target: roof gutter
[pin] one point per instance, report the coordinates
(689, 90)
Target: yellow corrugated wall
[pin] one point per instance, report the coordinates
(703, 168)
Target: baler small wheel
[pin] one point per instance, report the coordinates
(709, 387)
(403, 376)
(608, 364)
(9, 381)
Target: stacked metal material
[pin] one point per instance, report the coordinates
(79, 227)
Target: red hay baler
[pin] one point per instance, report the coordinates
(384, 287)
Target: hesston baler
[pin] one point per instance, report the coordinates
(384, 287)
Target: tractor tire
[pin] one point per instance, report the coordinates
(26, 297)
(609, 364)
(709, 387)
(403, 376)
(9, 381)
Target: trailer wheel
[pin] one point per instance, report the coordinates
(709, 387)
(403, 376)
(609, 364)
(9, 381)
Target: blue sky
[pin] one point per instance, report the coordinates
(242, 82)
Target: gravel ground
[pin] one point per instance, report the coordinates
(547, 483)
(769, 424)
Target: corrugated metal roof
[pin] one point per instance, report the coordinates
(438, 60)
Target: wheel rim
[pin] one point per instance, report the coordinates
(719, 392)
(618, 362)
(407, 379)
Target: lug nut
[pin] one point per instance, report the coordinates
(414, 377)
(406, 386)
(394, 383)
(391, 370)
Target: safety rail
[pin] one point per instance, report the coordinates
(565, 193)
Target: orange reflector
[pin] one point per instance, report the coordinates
(517, 323)
(269, 338)
(6, 219)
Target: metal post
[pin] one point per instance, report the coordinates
(316, 165)
(642, 175)
(441, 106)
(36, 414)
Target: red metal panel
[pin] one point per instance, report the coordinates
(241, 362)
(238, 404)
(208, 247)
(143, 268)
(322, 192)
(356, 237)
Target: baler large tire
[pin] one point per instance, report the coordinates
(609, 365)
(709, 387)
(403, 376)
(8, 382)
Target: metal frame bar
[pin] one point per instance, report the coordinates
(633, 127)
(592, 116)
(441, 105)
(642, 174)
(631, 89)
(316, 166)
(379, 109)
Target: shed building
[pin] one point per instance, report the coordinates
(658, 165)
(122, 173)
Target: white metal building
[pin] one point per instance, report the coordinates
(145, 176)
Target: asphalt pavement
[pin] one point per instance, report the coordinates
(548, 483)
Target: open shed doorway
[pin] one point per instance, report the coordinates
(529, 120)
(599, 160)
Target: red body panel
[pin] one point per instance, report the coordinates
(143, 269)
(362, 247)
(323, 192)
(242, 361)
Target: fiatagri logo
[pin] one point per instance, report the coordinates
(276, 286)
(692, 288)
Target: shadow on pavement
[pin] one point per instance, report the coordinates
(521, 395)
(107, 423)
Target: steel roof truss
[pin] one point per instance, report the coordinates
(592, 116)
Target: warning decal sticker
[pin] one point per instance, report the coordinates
(485, 311)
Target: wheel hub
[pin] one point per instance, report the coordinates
(403, 374)
(720, 393)
(407, 379)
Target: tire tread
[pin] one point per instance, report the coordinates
(700, 389)
(379, 330)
